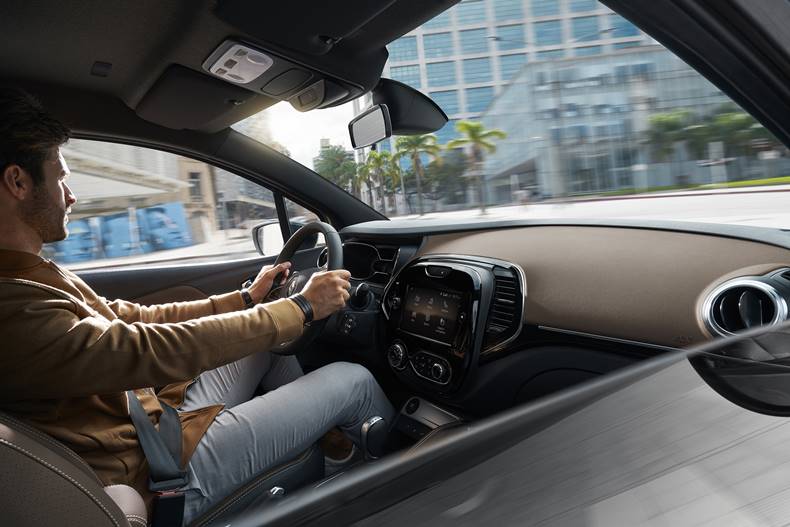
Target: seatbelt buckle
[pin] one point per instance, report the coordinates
(168, 509)
(168, 485)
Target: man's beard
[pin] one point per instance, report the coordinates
(44, 216)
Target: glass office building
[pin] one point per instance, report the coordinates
(467, 55)
(594, 125)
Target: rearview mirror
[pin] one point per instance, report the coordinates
(370, 127)
(268, 238)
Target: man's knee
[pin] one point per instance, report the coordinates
(351, 374)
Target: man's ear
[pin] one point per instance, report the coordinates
(16, 181)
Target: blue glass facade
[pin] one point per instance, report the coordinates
(474, 41)
(440, 73)
(509, 65)
(403, 49)
(438, 45)
(470, 12)
(585, 28)
(407, 74)
(508, 9)
(545, 7)
(447, 100)
(477, 70)
(477, 99)
(548, 33)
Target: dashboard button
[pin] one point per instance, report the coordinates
(394, 302)
(396, 355)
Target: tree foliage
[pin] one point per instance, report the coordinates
(738, 131)
(481, 141)
(414, 146)
(335, 164)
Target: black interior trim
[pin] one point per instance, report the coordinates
(282, 215)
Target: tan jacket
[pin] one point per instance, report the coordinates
(67, 356)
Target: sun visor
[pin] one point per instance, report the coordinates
(186, 99)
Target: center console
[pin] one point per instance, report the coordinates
(444, 312)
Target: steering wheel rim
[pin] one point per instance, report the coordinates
(297, 280)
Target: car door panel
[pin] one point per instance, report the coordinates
(160, 284)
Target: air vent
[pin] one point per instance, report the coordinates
(742, 304)
(504, 319)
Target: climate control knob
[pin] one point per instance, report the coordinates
(437, 371)
(396, 355)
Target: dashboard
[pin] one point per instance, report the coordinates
(487, 314)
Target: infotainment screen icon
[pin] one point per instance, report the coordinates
(431, 313)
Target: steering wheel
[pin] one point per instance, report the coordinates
(298, 279)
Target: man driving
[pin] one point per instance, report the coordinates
(69, 356)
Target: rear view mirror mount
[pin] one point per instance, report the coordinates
(408, 112)
(411, 111)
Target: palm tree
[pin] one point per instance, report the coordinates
(336, 165)
(414, 146)
(377, 164)
(363, 176)
(474, 134)
(391, 175)
(665, 129)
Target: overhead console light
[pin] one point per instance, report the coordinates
(241, 64)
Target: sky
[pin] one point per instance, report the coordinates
(301, 133)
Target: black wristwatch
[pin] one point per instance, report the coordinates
(304, 305)
(247, 297)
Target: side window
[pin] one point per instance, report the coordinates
(137, 205)
(298, 216)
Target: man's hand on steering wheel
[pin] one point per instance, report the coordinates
(327, 292)
(263, 283)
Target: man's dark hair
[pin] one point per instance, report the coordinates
(27, 132)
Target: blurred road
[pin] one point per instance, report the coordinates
(756, 206)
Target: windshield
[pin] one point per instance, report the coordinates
(557, 108)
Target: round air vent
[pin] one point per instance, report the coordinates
(742, 304)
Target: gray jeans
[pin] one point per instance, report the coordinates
(253, 435)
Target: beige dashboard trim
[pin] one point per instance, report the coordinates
(634, 284)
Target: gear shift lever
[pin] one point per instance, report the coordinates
(360, 296)
(374, 437)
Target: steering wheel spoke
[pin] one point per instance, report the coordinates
(298, 278)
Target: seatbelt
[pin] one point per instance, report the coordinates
(162, 449)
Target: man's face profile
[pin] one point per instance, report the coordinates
(46, 208)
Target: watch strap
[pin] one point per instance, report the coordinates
(304, 305)
(247, 297)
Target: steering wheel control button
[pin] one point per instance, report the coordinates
(396, 356)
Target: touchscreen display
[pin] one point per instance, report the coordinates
(431, 313)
